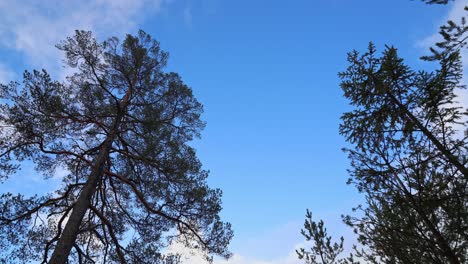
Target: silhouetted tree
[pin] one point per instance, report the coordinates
(120, 126)
(323, 251)
(409, 156)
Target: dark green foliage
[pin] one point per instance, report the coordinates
(455, 36)
(408, 159)
(323, 251)
(409, 156)
(124, 121)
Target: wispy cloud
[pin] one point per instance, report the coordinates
(238, 259)
(189, 256)
(275, 246)
(455, 14)
(32, 28)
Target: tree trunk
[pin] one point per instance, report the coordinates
(70, 232)
(449, 155)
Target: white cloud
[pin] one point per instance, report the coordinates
(274, 246)
(60, 172)
(32, 28)
(455, 14)
(189, 256)
(238, 259)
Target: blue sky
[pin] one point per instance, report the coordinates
(266, 72)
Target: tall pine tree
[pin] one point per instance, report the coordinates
(120, 125)
(409, 156)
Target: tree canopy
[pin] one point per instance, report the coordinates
(121, 126)
(408, 157)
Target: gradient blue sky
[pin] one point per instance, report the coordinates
(266, 72)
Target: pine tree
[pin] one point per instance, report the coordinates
(408, 159)
(120, 125)
(409, 156)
